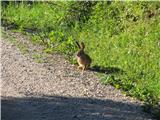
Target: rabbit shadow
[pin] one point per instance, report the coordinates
(106, 70)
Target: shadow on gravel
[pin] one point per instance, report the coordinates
(66, 108)
(106, 70)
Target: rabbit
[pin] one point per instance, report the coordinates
(83, 59)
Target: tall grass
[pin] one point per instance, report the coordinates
(123, 35)
(127, 44)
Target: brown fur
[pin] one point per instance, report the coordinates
(83, 59)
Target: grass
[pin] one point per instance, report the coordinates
(122, 35)
(22, 47)
(37, 57)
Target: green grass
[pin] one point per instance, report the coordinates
(119, 35)
(22, 47)
(37, 57)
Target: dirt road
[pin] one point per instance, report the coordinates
(55, 90)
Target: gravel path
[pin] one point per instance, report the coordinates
(56, 90)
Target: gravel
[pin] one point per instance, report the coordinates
(55, 90)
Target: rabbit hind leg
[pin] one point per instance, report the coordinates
(80, 67)
(87, 66)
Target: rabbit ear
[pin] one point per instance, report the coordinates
(82, 45)
(78, 45)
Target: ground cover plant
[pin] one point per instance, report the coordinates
(122, 36)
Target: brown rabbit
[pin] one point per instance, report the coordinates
(83, 59)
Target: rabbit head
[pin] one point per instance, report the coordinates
(81, 47)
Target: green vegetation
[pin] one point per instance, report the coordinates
(37, 57)
(22, 47)
(120, 35)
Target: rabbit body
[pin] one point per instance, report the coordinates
(83, 59)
